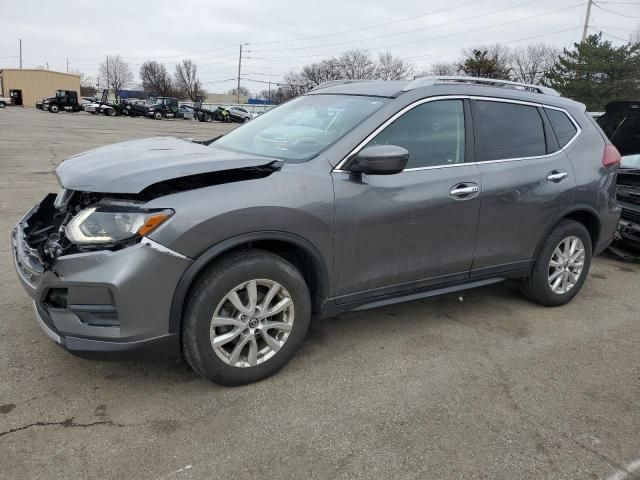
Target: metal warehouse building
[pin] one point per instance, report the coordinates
(28, 86)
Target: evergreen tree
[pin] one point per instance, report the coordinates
(596, 72)
(481, 64)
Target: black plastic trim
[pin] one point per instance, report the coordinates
(165, 346)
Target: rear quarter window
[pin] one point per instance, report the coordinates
(562, 126)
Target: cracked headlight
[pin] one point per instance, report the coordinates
(95, 226)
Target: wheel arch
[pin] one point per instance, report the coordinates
(293, 248)
(581, 213)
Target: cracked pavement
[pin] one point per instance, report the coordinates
(479, 384)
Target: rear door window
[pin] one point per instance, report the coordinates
(562, 126)
(508, 130)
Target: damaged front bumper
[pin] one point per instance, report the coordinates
(103, 304)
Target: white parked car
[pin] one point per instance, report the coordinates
(4, 101)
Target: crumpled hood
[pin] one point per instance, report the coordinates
(130, 167)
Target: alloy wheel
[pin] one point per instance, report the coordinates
(566, 265)
(252, 323)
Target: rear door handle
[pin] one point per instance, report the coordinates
(464, 191)
(557, 176)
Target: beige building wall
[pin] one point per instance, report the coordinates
(224, 99)
(37, 84)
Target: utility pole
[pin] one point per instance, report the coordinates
(67, 64)
(20, 54)
(585, 30)
(269, 96)
(239, 69)
(107, 76)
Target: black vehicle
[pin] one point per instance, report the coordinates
(63, 100)
(164, 107)
(199, 113)
(621, 123)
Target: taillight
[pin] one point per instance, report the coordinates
(611, 156)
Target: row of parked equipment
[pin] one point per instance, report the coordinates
(162, 107)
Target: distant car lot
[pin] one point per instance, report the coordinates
(478, 385)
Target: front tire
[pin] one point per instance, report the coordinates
(54, 108)
(2, 104)
(157, 115)
(246, 317)
(562, 265)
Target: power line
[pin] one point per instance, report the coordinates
(614, 12)
(473, 17)
(427, 39)
(506, 43)
(406, 19)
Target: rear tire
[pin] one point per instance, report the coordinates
(209, 297)
(555, 279)
(2, 104)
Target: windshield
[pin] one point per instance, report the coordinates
(630, 161)
(301, 128)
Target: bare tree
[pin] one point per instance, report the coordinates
(634, 38)
(115, 73)
(293, 84)
(492, 61)
(323, 71)
(87, 84)
(392, 68)
(187, 81)
(357, 65)
(531, 63)
(156, 80)
(244, 91)
(444, 69)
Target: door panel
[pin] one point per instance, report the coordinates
(397, 232)
(523, 188)
(518, 205)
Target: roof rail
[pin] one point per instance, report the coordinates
(489, 82)
(333, 83)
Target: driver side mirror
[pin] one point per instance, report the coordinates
(380, 160)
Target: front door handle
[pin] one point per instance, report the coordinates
(557, 176)
(464, 191)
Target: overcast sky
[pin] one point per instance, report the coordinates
(284, 35)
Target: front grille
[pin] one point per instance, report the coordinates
(631, 215)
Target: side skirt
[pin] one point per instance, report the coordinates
(330, 308)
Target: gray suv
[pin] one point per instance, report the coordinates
(355, 195)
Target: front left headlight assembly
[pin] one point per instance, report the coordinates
(95, 226)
